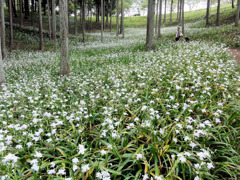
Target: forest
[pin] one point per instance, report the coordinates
(94, 89)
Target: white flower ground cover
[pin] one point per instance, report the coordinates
(123, 113)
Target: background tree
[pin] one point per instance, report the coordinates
(207, 13)
(54, 24)
(32, 11)
(160, 19)
(183, 16)
(156, 20)
(122, 19)
(2, 74)
(40, 25)
(237, 13)
(64, 62)
(102, 21)
(165, 11)
(11, 26)
(218, 14)
(49, 21)
(150, 24)
(75, 17)
(3, 35)
(20, 13)
(117, 19)
(83, 20)
(232, 3)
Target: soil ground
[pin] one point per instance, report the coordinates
(235, 53)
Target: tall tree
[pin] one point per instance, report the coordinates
(75, 17)
(180, 12)
(11, 26)
(102, 21)
(171, 10)
(165, 11)
(32, 11)
(122, 19)
(2, 74)
(207, 13)
(183, 16)
(64, 62)
(49, 21)
(83, 21)
(117, 19)
(40, 25)
(237, 14)
(3, 33)
(178, 9)
(160, 20)
(232, 3)
(54, 24)
(218, 14)
(111, 2)
(26, 8)
(150, 24)
(156, 22)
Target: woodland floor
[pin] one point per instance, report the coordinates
(235, 53)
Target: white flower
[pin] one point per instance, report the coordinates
(81, 149)
(192, 144)
(38, 154)
(197, 178)
(103, 152)
(85, 168)
(139, 156)
(145, 177)
(52, 171)
(210, 165)
(61, 171)
(75, 160)
(35, 167)
(75, 167)
(159, 178)
(144, 108)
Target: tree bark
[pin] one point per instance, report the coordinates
(218, 14)
(180, 12)
(160, 20)
(40, 25)
(102, 21)
(237, 14)
(117, 19)
(11, 26)
(32, 12)
(20, 13)
(178, 9)
(64, 62)
(14, 8)
(232, 3)
(150, 24)
(83, 21)
(165, 11)
(156, 22)
(110, 15)
(26, 7)
(171, 10)
(183, 16)
(122, 19)
(49, 20)
(54, 24)
(2, 74)
(207, 13)
(75, 17)
(3, 33)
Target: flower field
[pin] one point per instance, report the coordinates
(123, 113)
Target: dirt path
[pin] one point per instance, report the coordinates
(235, 53)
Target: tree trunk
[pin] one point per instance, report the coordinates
(160, 20)
(183, 16)
(171, 10)
(75, 17)
(150, 24)
(165, 11)
(178, 9)
(237, 14)
(83, 21)
(156, 22)
(218, 14)
(32, 12)
(2, 74)
(102, 21)
(3, 33)
(14, 8)
(11, 26)
(44, 7)
(49, 21)
(207, 14)
(26, 7)
(103, 15)
(232, 3)
(117, 19)
(122, 19)
(20, 13)
(64, 62)
(40, 25)
(180, 12)
(110, 15)
(54, 24)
